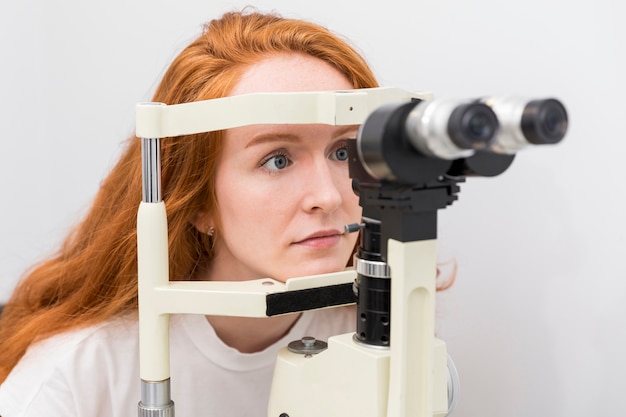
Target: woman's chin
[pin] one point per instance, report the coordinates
(315, 268)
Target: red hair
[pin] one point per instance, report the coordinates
(93, 276)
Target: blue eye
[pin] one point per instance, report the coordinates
(341, 154)
(276, 162)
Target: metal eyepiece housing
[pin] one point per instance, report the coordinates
(451, 129)
(525, 122)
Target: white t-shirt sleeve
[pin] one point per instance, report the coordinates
(89, 372)
(36, 387)
(51, 399)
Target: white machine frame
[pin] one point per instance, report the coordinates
(408, 379)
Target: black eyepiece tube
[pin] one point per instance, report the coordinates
(544, 122)
(472, 126)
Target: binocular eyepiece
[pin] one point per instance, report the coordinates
(429, 136)
(527, 122)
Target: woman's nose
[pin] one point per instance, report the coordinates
(323, 190)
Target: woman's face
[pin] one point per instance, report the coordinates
(283, 191)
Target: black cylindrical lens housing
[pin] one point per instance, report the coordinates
(544, 121)
(372, 287)
(373, 310)
(472, 126)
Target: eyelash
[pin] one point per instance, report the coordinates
(277, 153)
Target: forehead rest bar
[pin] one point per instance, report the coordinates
(337, 108)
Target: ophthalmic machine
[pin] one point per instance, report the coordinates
(410, 155)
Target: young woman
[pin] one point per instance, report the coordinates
(250, 202)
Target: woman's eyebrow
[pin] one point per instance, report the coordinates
(272, 137)
(290, 137)
(346, 129)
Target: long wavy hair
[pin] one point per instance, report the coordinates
(93, 276)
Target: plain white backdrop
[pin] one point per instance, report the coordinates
(536, 321)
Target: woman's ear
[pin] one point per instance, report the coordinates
(203, 222)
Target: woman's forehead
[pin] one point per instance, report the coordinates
(290, 73)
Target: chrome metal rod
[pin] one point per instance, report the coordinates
(151, 169)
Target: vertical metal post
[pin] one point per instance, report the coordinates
(151, 169)
(155, 395)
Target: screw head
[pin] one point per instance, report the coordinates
(307, 346)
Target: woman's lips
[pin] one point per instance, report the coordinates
(321, 240)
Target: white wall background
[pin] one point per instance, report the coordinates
(536, 321)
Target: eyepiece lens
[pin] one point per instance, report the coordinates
(544, 121)
(479, 126)
(472, 126)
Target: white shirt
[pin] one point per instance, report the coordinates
(94, 372)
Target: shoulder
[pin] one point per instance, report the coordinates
(84, 346)
(58, 369)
